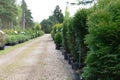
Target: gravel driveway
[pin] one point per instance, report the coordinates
(36, 60)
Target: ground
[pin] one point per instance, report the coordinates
(36, 60)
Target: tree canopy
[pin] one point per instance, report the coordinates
(57, 17)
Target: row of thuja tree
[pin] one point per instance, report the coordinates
(92, 37)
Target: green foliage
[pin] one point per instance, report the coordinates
(66, 23)
(37, 26)
(58, 14)
(12, 40)
(56, 33)
(12, 15)
(29, 20)
(58, 38)
(104, 42)
(71, 39)
(73, 34)
(15, 37)
(8, 12)
(46, 25)
(33, 33)
(57, 17)
(80, 30)
(26, 18)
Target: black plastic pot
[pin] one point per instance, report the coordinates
(58, 46)
(65, 56)
(11, 44)
(70, 58)
(77, 75)
(62, 50)
(75, 65)
(1, 47)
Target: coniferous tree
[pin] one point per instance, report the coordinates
(57, 17)
(26, 21)
(8, 12)
(58, 14)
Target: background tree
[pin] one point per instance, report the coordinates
(58, 14)
(46, 25)
(57, 17)
(26, 20)
(8, 12)
(24, 9)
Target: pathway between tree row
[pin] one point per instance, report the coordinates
(37, 60)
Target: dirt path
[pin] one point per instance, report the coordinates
(37, 60)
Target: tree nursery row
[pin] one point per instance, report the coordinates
(90, 40)
(11, 37)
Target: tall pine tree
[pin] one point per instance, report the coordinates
(27, 19)
(58, 14)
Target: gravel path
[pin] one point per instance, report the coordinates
(37, 60)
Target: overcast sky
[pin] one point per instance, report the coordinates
(42, 9)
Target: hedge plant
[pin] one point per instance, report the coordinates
(56, 33)
(80, 29)
(71, 39)
(103, 61)
(65, 34)
(58, 38)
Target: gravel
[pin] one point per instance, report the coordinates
(36, 60)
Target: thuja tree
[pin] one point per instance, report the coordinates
(80, 30)
(71, 39)
(65, 30)
(56, 33)
(103, 61)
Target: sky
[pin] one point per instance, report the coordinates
(42, 9)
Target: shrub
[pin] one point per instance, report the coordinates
(58, 38)
(12, 40)
(65, 35)
(80, 29)
(57, 35)
(33, 33)
(56, 29)
(71, 39)
(103, 62)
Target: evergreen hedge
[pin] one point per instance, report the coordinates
(80, 29)
(103, 61)
(71, 39)
(65, 36)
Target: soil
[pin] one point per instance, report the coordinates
(36, 60)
